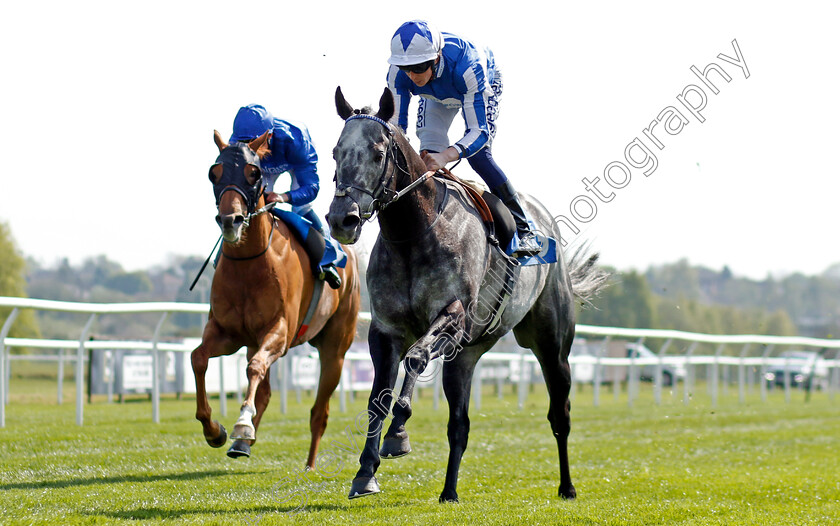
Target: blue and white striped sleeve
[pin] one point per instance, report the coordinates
(474, 108)
(402, 97)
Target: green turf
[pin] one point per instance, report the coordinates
(758, 463)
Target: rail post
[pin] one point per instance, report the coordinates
(742, 371)
(80, 370)
(4, 388)
(156, 370)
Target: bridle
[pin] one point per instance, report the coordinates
(229, 182)
(382, 196)
(233, 160)
(233, 180)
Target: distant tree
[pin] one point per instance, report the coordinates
(13, 284)
(130, 283)
(97, 271)
(778, 323)
(627, 302)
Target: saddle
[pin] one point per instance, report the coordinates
(501, 228)
(495, 215)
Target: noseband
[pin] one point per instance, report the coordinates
(382, 195)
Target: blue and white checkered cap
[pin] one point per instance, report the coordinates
(415, 42)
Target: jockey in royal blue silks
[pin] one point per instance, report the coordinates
(292, 151)
(451, 74)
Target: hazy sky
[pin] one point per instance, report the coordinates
(108, 112)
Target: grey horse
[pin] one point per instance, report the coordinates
(440, 288)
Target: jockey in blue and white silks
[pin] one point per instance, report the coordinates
(292, 151)
(451, 74)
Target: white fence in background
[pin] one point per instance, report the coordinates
(590, 360)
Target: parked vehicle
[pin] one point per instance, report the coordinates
(647, 372)
(800, 366)
(584, 356)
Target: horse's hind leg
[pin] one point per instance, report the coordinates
(457, 380)
(443, 337)
(551, 341)
(332, 344)
(558, 379)
(331, 364)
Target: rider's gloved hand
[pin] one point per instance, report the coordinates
(272, 197)
(435, 161)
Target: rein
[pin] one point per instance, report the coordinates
(246, 223)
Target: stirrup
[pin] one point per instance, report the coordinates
(529, 245)
(330, 275)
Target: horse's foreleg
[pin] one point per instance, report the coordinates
(385, 354)
(457, 376)
(241, 447)
(443, 337)
(214, 432)
(257, 371)
(261, 400)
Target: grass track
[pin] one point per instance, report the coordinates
(758, 463)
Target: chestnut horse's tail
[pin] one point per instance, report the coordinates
(587, 278)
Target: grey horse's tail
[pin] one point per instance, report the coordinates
(588, 279)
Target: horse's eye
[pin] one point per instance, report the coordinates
(378, 156)
(215, 173)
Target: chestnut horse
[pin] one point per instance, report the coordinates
(260, 296)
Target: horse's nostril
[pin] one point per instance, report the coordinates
(238, 220)
(350, 221)
(219, 220)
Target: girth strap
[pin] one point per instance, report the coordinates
(317, 290)
(508, 282)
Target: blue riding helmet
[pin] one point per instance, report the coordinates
(415, 42)
(250, 122)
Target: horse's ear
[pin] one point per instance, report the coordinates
(217, 138)
(344, 109)
(386, 105)
(260, 144)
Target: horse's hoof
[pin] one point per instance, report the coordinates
(244, 432)
(362, 487)
(567, 493)
(220, 440)
(395, 447)
(240, 448)
(448, 496)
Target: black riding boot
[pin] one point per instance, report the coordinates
(315, 245)
(528, 243)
